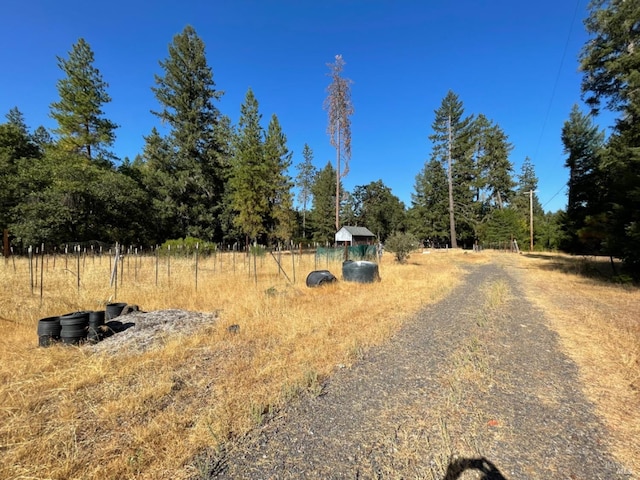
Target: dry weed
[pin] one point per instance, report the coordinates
(68, 413)
(599, 328)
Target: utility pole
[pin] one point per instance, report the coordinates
(452, 222)
(530, 220)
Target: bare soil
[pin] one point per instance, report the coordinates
(473, 387)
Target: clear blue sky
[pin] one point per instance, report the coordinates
(514, 61)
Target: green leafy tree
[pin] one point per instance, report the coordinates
(583, 143)
(198, 150)
(550, 234)
(376, 208)
(65, 198)
(304, 181)
(82, 127)
(401, 244)
(321, 215)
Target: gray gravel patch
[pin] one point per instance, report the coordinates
(465, 390)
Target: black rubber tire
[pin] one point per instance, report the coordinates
(74, 327)
(114, 310)
(96, 321)
(49, 326)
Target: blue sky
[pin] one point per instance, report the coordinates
(514, 61)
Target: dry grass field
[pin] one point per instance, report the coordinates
(598, 323)
(69, 413)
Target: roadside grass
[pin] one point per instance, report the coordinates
(67, 413)
(598, 322)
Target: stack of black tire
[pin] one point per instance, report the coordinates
(77, 327)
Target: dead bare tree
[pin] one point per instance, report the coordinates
(339, 109)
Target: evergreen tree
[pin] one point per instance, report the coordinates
(501, 226)
(82, 127)
(198, 152)
(280, 219)
(611, 64)
(428, 215)
(16, 118)
(321, 215)
(159, 178)
(42, 138)
(453, 147)
(527, 181)
(494, 169)
(304, 181)
(583, 143)
(250, 176)
(525, 199)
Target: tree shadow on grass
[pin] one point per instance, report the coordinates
(458, 466)
(598, 268)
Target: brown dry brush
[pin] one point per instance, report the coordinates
(74, 412)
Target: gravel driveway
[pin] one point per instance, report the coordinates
(472, 387)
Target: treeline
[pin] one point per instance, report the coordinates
(208, 179)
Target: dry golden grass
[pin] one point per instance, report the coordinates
(67, 413)
(599, 327)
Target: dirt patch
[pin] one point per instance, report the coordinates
(138, 332)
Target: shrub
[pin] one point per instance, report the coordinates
(401, 244)
(187, 246)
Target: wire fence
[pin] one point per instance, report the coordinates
(162, 266)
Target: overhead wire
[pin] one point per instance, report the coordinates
(555, 86)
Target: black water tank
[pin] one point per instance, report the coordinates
(361, 271)
(320, 277)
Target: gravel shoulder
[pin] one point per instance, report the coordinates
(472, 387)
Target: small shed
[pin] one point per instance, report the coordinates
(354, 236)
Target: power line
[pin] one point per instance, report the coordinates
(555, 85)
(554, 196)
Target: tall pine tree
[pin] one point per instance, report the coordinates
(453, 147)
(250, 176)
(583, 143)
(304, 181)
(186, 92)
(429, 212)
(324, 197)
(278, 159)
(611, 64)
(82, 127)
